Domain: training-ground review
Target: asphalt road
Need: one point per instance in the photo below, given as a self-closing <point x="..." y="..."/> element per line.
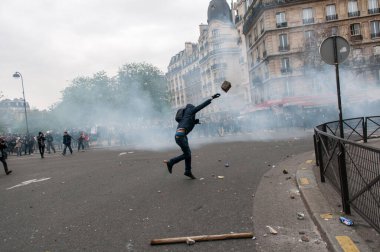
<point x="99" y="200"/>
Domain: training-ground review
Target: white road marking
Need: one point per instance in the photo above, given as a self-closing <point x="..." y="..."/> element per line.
<point x="28" y="182"/>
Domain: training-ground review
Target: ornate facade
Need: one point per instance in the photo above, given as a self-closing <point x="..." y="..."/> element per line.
<point x="283" y="39"/>
<point x="197" y="73"/>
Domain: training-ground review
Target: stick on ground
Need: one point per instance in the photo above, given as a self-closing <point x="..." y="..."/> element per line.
<point x="201" y="238"/>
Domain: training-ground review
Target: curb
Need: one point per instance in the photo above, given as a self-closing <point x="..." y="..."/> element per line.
<point x="338" y="236"/>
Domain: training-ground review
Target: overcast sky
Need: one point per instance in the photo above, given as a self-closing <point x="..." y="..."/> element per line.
<point x="50" y="42"/>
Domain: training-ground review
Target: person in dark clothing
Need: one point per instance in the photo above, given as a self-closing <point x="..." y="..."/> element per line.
<point x="50" y="140"/>
<point x="41" y="143"/>
<point x="66" y="143"/>
<point x="81" y="141"/>
<point x="185" y="126"/>
<point x="3" y="156"/>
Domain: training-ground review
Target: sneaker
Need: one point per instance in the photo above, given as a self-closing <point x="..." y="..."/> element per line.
<point x="9" y="172"/>
<point x="190" y="175"/>
<point x="169" y="165"/>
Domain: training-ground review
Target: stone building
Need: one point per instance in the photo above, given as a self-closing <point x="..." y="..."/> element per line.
<point x="12" y="111"/>
<point x="197" y="72"/>
<point x="283" y="39"/>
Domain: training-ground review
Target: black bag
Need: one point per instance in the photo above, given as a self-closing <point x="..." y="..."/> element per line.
<point x="179" y="115"/>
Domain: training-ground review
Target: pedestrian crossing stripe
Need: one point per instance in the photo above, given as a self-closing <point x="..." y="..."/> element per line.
<point x="304" y="181"/>
<point x="309" y="161"/>
<point x="347" y="244"/>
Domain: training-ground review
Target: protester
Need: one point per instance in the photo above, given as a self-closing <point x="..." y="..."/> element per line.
<point x="18" y="146"/>
<point x="186" y="123"/>
<point x="50" y="142"/>
<point x="41" y="143"/>
<point x="3" y="155"/>
<point x="66" y="143"/>
<point x="81" y="141"/>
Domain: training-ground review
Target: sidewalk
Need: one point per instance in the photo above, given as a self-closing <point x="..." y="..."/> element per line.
<point x="291" y="187"/>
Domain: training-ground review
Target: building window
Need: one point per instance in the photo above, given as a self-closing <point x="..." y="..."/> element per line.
<point x="355" y="29"/>
<point x="309" y="39"/>
<point x="285" y="65"/>
<point x="248" y="3"/>
<point x="376" y="50"/>
<point x="373" y="7"/>
<point x="284" y="46"/>
<point x="262" y="25"/>
<point x="375" y="29"/>
<point x="250" y="40"/>
<point x="307" y="16"/>
<point x="353" y="10"/>
<point x="281" y="20"/>
<point x="264" y="49"/>
<point x="255" y="33"/>
<point x="331" y="12"/>
<point x="215" y="33"/>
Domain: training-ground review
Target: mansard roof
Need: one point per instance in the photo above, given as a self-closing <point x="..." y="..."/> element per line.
<point x="219" y="10"/>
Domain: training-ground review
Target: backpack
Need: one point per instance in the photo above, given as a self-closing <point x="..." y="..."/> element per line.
<point x="179" y="114"/>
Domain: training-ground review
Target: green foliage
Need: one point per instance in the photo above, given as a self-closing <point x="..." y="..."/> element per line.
<point x="138" y="90"/>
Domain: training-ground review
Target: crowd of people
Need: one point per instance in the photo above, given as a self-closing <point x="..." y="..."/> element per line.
<point x="29" y="144"/>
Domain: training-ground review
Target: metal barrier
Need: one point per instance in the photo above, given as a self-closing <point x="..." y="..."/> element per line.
<point x="352" y="167"/>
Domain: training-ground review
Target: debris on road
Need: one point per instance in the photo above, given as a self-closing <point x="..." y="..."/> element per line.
<point x="285" y="171"/>
<point x="304" y="238"/>
<point x="220" y="177"/>
<point x="190" y="241"/>
<point x="227" y="165"/>
<point x="123" y="153"/>
<point x="201" y="238"/>
<point x="300" y="216"/>
<point x="288" y="178"/>
<point x="272" y="230"/>
<point x="201" y="178"/>
<point x="346" y="221"/>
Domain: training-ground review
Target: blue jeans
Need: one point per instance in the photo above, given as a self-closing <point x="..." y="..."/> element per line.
<point x="184" y="144"/>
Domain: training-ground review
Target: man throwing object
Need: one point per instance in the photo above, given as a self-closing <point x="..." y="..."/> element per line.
<point x="186" y="122"/>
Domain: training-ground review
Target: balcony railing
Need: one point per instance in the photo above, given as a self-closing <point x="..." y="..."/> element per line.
<point x="308" y="21"/>
<point x="218" y="66"/>
<point x="355" y="38"/>
<point x="332" y="17"/>
<point x="282" y="25"/>
<point x="375" y="35"/>
<point x="374" y="11"/>
<point x="354" y="14"/>
<point x="283" y="48"/>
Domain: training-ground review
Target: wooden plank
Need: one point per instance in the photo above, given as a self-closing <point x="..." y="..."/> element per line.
<point x="201" y="238"/>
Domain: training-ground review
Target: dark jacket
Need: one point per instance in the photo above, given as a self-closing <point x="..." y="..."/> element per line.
<point x="188" y="120"/>
<point x="3" y="148"/>
<point x="41" y="140"/>
<point x="67" y="139"/>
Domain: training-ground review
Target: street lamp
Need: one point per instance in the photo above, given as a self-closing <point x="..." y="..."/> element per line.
<point x="18" y="75"/>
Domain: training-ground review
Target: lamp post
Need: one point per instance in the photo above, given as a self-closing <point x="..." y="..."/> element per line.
<point x="18" y="75"/>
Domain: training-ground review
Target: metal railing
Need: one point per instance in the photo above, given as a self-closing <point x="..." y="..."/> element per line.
<point x="352" y="167"/>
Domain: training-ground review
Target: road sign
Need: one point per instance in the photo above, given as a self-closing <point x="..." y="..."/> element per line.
<point x="327" y="50"/>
